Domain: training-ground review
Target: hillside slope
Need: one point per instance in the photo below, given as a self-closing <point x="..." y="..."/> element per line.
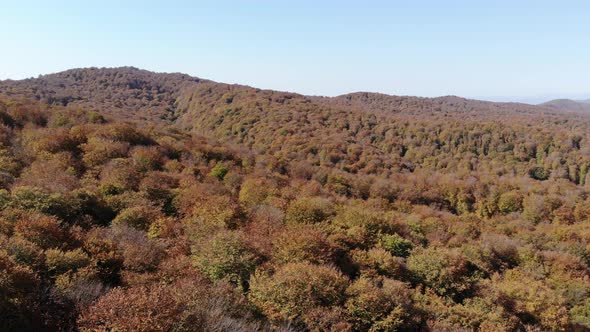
<point x="141" y="94"/>
<point x="125" y="92"/>
<point x="359" y="132"/>
<point x="568" y="105"/>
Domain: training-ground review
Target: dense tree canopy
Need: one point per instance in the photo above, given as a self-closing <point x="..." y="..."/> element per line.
<point x="132" y="201"/>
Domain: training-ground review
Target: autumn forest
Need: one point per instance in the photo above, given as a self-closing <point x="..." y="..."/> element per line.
<point x="141" y="201"/>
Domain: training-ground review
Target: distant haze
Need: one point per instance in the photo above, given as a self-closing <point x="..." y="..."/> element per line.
<point x="474" y="49"/>
<point x="535" y="100"/>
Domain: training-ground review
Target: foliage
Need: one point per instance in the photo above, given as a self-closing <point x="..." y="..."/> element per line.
<point x="396" y="245"/>
<point x="225" y="256"/>
<point x="132" y="200"/>
<point x="309" y="210"/>
<point x="219" y="171"/>
<point x="295" y="289"/>
<point x="139" y="217"/>
<point x="446" y="271"/>
<point x="378" y="305"/>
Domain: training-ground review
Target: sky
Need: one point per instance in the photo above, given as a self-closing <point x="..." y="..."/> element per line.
<point x="496" y="50"/>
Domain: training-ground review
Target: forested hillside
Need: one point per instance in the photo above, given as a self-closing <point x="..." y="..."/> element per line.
<point x="568" y="104"/>
<point x="136" y="201"/>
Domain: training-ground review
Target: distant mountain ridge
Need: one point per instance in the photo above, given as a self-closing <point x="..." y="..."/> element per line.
<point x="134" y="94"/>
<point x="568" y="105"/>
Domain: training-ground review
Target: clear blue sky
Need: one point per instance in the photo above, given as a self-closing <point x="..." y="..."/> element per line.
<point x="485" y="49"/>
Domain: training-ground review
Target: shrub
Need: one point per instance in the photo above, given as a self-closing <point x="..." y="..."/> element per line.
<point x="122" y="132"/>
<point x="216" y="211"/>
<point x="43" y="141"/>
<point x="120" y="174"/>
<point x="51" y="175"/>
<point x="4" y="201"/>
<point x="582" y="211"/>
<point x="265" y="224"/>
<point x="65" y="206"/>
<point x="105" y="256"/>
<point x="329" y="319"/>
<point x="31" y="198"/>
<point x="359" y="217"/>
<point x="157" y="187"/>
<point x="5" y="118"/>
<point x="473" y="314"/>
<point x="200" y="306"/>
<point x="99" y="151"/>
<point x="6" y="135"/>
<point x="8" y="163"/>
<point x="18" y="284"/>
<point x="581" y="314"/>
<point x="538" y="208"/>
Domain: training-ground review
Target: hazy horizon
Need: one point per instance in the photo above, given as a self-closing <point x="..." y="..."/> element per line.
<point x="525" y="52"/>
<point x="533" y="100"/>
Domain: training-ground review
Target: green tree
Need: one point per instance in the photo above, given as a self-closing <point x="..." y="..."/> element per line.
<point x="225" y="256"/>
<point x="219" y="171"/>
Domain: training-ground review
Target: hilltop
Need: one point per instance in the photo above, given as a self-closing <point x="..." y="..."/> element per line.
<point x="568" y="105"/>
<point x="151" y="96"/>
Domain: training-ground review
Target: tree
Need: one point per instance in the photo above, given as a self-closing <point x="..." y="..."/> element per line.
<point x="18" y="286"/>
<point x="309" y="210"/>
<point x="510" y="202"/>
<point x="140" y="217"/>
<point x="136" y="309"/>
<point x="295" y="289"/>
<point x="225" y="256"/>
<point x="396" y="245"/>
<point x="533" y="300"/>
<point x="446" y="271"/>
<point x="44" y="231"/>
<point x="59" y="262"/>
<point x="219" y="171"/>
<point x="378" y="304"/>
<point x="378" y="262"/>
<point x="298" y="243"/>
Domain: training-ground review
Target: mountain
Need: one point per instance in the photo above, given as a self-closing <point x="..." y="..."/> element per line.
<point x="568" y="105"/>
<point x="281" y="124"/>
<point x="137" y="93"/>
<point x="142" y="95"/>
